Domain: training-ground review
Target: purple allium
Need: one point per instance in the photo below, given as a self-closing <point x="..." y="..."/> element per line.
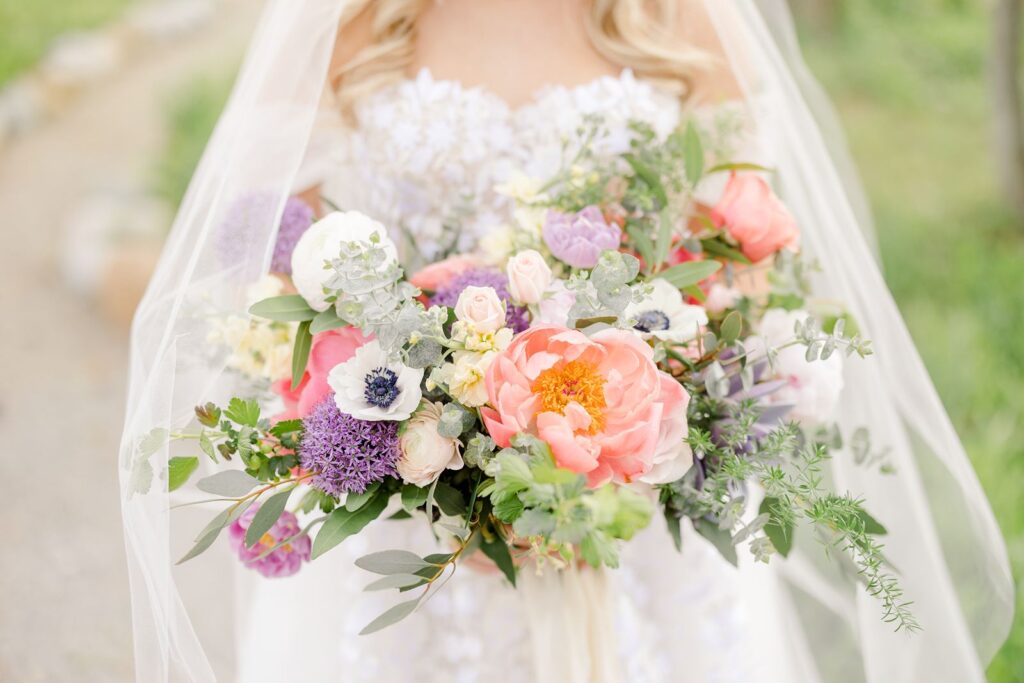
<point x="295" y="220"/>
<point x="283" y="561"/>
<point x="580" y="238"/>
<point x="249" y="218"/>
<point x="516" y="317"/>
<point x="346" y="453"/>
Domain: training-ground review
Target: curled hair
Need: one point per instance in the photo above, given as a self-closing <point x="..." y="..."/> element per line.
<point x="630" y="33"/>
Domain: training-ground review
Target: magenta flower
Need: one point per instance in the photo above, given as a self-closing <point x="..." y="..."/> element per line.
<point x="579" y="239"/>
<point x="283" y="561"/>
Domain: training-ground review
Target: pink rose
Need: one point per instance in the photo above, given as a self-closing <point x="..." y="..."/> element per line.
<point x="528" y="277"/>
<point x="329" y="349"/>
<point x="599" y="402"/>
<point x="481" y="308"/>
<point x="755" y="217"/>
<point x="437" y="275"/>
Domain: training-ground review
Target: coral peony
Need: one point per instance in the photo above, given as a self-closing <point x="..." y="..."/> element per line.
<point x="599" y="402"/>
<point x="329" y="349"/>
<point x="755" y="217"/>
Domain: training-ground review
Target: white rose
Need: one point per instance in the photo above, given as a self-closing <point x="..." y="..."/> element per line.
<point x="322" y="243"/>
<point x="481" y="308"/>
<point x="528" y="276"/>
<point x="425" y="453"/>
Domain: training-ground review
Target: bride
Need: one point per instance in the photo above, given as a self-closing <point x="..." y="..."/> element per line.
<point x="412" y="111"/>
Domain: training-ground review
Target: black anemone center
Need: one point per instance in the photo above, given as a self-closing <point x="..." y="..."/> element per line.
<point x="652" y="321"/>
<point x="381" y="387"/>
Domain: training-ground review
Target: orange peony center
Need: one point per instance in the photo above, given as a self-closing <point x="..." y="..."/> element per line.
<point x="576" y="381"/>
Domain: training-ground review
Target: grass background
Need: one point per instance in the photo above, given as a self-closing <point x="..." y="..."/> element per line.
<point x="908" y="81"/>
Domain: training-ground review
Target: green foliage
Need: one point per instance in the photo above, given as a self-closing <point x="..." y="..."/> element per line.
<point x="343" y="523"/>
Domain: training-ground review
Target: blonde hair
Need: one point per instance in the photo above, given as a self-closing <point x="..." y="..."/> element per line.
<point x="630" y="33"/>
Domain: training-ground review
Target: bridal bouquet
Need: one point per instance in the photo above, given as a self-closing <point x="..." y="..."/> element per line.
<point x="540" y="401"/>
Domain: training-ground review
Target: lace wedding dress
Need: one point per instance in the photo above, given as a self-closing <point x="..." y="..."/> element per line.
<point x="422" y="156"/>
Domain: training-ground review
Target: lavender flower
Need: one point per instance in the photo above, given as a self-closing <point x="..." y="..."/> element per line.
<point x="285" y="560"/>
<point x="245" y="221"/>
<point x="347" y="454"/>
<point x="295" y="220"/>
<point x="579" y="239"/>
<point x="516" y="317"/>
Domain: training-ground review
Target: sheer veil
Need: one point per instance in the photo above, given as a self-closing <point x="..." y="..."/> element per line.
<point x="808" y="618"/>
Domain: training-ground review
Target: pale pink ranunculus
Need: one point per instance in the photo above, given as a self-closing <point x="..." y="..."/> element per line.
<point x="528" y="276"/>
<point x="437" y="275"/>
<point x="329" y="348"/>
<point x="755" y="217"/>
<point x="555" y="305"/>
<point x="599" y="402"/>
<point x="481" y="308"/>
<point x="673" y="455"/>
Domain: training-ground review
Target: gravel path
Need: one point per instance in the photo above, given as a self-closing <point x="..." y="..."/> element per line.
<point x="64" y="608"/>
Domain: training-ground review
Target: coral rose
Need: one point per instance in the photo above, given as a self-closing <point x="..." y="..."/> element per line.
<point x="755" y="217"/>
<point x="329" y="349"/>
<point x="599" y="402"/>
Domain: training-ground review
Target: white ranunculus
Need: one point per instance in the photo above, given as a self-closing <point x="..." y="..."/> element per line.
<point x="664" y="315"/>
<point x="528" y="276"/>
<point x="322" y="243"/>
<point x="368" y="387"/>
<point x="813" y="388"/>
<point x="481" y="309"/>
<point x="425" y="453"/>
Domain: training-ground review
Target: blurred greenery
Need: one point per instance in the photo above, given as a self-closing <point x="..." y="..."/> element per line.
<point x="38" y="22"/>
<point x="908" y="80"/>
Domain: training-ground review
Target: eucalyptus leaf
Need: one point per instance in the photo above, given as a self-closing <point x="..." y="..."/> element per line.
<point x="207" y="446"/>
<point x="498" y="551"/>
<point x="391" y="616"/>
<point x="741" y="166"/>
<point x="229" y="483"/>
<point x="392" y="562"/>
<point x="341" y="524"/>
<point x="395" y="581"/>
<point x="286" y="308"/>
<point x="413" y="496"/>
<point x="179" y="470"/>
<point x="716" y="248"/>
<point x="731" y="328"/>
<point x="266" y="516"/>
<point x="354" y="501"/>
<point x="449" y="499"/>
<point x="693" y="154"/>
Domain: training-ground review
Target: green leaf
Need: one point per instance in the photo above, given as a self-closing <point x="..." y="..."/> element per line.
<point x="392" y="562"/>
<point x="300" y="354"/>
<point x="207" y="446"/>
<point x="266" y="516"/>
<point x="395" y="581"/>
<point x="354" y="501"/>
<point x="641" y="242"/>
<point x="674" y="530"/>
<point x="716" y="248"/>
<point x="780" y="534"/>
<point x="286" y="308"/>
<point x="689" y="273"/>
<point x="664" y="238"/>
<point x="152" y="442"/>
<point x="693" y="154"/>
<point x="230" y="483"/>
<point x="742" y="166"/>
<point x="720" y="538"/>
<point x="449" y="499"/>
<point x="391" y="616"/>
<point x="439" y="559"/>
<point x="413" y="496"/>
<point x="498" y="551"/>
<point x="212" y="530"/>
<point x="509" y="509"/>
<point x="872" y="525"/>
<point x="341" y="524"/>
<point x="244" y="412"/>
<point x="327" y="320"/>
<point x="731" y="328"/>
<point x="179" y="470"/>
<point x="285" y="427"/>
<point x="696" y="292"/>
<point x="649" y="177"/>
